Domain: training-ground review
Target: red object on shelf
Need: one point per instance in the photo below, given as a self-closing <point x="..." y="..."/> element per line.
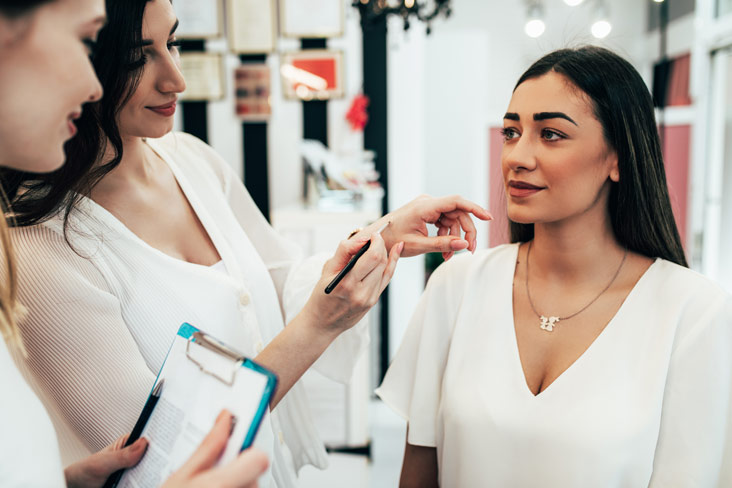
<point x="357" y="114"/>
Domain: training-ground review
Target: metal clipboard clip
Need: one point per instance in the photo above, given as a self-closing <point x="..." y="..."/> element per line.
<point x="212" y="344"/>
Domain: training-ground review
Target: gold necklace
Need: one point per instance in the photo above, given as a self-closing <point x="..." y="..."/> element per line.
<point x="548" y="323"/>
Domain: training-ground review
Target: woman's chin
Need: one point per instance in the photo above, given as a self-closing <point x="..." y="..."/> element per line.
<point x="158" y="132"/>
<point x="49" y="162"/>
<point x="520" y="218"/>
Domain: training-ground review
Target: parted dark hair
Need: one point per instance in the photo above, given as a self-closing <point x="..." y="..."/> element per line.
<point x="639" y="204"/>
<point x="116" y="59"/>
<point x="16" y="8"/>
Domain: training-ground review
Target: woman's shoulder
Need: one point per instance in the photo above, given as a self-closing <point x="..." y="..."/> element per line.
<point x="688" y="299"/>
<point x="685" y="284"/>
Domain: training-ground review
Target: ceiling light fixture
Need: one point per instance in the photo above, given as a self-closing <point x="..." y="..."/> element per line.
<point x="602" y="26"/>
<point x="535" y="26"/>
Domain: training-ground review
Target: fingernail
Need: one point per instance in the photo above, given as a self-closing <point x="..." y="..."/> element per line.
<point x="400" y="248"/>
<point x="459" y="244"/>
<point x="139" y="444"/>
<point x="233" y="424"/>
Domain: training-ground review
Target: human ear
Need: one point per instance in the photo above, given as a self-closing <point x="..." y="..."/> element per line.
<point x="614" y="170"/>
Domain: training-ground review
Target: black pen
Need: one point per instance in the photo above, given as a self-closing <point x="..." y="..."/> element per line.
<point x="147" y="410"/>
<point x="351" y="262"/>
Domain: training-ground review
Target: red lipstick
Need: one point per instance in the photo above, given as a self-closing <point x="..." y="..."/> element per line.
<point x="165" y="110"/>
<point x="522" y="189"/>
<point x="70" y="123"/>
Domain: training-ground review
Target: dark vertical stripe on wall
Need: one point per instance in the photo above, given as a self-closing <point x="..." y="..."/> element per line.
<point x="375" y="139"/>
<point x="195" y="118"/>
<point x="315" y="120"/>
<point x="256" y="162"/>
<point x="315" y="112"/>
<point x="256" y="174"/>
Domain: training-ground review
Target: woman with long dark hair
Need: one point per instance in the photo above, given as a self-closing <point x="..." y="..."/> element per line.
<point x="45" y="79"/>
<point x="144" y="229"/>
<point x="586" y="353"/>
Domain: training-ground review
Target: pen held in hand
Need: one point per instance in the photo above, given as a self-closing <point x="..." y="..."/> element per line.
<point x="147" y="410"/>
<point x="352" y="262"/>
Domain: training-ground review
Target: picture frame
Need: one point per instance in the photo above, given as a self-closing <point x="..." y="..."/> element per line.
<point x="308" y="19"/>
<point x="312" y="74"/>
<point x="203" y="73"/>
<point x="199" y="19"/>
<point x="252" y="89"/>
<point x="251" y="26"/>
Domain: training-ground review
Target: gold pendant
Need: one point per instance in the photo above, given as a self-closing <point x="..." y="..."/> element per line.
<point x="548" y="323"/>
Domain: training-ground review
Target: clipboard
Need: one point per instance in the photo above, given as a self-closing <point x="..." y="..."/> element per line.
<point x="199" y="377"/>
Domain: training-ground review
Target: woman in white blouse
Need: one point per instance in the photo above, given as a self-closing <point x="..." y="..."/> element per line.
<point x="143" y="229"/>
<point x="586" y="353"/>
<point x="45" y="78"/>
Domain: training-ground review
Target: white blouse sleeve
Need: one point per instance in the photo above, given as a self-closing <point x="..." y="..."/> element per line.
<point x="695" y="440"/>
<point x="293" y="275"/>
<point x="413" y="384"/>
<point x="77" y="340"/>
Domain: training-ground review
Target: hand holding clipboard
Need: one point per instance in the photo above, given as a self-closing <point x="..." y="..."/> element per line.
<point x="200" y="377"/>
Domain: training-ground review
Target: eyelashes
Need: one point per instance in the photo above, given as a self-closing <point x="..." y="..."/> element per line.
<point x="91" y="46"/>
<point x="171" y="45"/>
<point x="550" y="135"/>
<point x="508" y="133"/>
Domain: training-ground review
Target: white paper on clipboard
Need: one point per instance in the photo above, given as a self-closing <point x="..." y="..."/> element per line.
<point x="201" y="377"/>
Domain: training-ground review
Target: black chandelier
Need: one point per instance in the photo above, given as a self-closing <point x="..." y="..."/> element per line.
<point x="423" y="10"/>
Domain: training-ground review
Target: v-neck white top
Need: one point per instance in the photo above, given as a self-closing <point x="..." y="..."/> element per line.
<point x="102" y="314"/>
<point x="649" y="403"/>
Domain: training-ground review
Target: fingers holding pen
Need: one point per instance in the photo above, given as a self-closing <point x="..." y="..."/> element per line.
<point x="376" y="280"/>
<point x="373" y="259"/>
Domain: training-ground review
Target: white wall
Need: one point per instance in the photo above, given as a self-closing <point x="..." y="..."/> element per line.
<point x="406" y="120"/>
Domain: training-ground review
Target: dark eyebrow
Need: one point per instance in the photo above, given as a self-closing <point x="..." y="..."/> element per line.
<point x="148" y="42"/>
<point x="553" y="115"/>
<point x="512" y="116"/>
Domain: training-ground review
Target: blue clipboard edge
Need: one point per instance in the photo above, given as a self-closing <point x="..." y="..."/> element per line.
<point x="185" y="331"/>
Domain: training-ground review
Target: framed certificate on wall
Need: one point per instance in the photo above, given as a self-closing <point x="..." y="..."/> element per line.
<point x="313" y="74"/>
<point x="199" y="19"/>
<point x="251" y="26"/>
<point x="204" y="75"/>
<point x="311" y="18"/>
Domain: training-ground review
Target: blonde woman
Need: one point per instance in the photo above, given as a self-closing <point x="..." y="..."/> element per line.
<point x="45" y="79"/>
